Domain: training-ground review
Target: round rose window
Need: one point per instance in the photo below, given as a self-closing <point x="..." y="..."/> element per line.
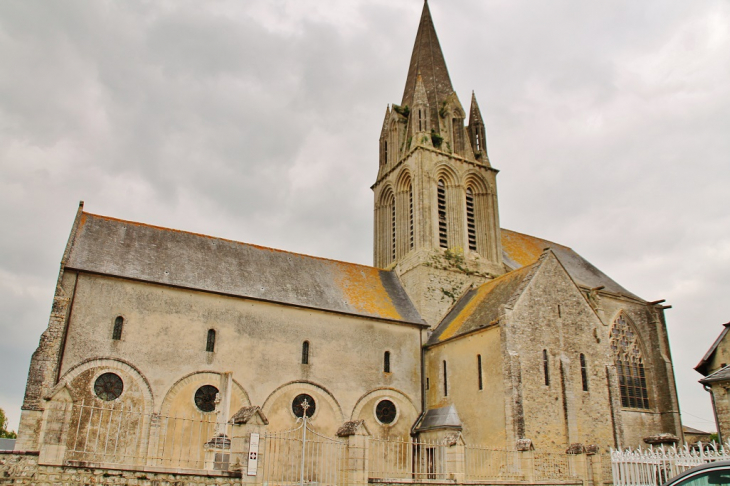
<point x="386" y="412"/>
<point x="302" y="402"/>
<point x="205" y="398"/>
<point x="108" y="387"/>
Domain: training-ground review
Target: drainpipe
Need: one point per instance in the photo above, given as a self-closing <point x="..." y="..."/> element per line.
<point x="714" y="412"/>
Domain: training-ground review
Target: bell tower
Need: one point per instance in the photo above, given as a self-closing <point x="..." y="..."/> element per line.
<point x="436" y="215"/>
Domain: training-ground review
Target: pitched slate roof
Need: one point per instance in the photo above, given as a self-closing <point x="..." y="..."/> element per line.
<point x="170" y="257"/>
<point x="479" y="307"/>
<point x="702" y="366"/>
<point x="723" y="374"/>
<point x="519" y="250"/>
<point x="439" y="418"/>
<point x="428" y="60"/>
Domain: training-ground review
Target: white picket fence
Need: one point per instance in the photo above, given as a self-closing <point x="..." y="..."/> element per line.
<point x="654" y="466"/>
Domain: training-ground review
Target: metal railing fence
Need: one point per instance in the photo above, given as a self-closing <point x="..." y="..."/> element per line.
<point x="654" y="466"/>
<point x="407" y="459"/>
<point x="117" y="434"/>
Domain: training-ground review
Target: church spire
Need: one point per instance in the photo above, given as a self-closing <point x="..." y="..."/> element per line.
<point x="428" y="61"/>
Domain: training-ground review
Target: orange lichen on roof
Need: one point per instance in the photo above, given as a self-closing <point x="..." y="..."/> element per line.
<point x="482" y="292"/>
<point x="524" y="249"/>
<point x="363" y="289"/>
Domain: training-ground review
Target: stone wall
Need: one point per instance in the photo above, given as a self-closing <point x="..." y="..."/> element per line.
<point x="23" y="468"/>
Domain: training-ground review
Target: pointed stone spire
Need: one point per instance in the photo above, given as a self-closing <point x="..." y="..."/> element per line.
<point x="477" y="133"/>
<point x="428" y="61"/>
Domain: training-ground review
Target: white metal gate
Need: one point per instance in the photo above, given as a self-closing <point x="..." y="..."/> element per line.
<point x="301" y="456"/>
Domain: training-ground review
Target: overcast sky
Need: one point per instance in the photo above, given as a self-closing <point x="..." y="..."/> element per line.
<point x="258" y="120"/>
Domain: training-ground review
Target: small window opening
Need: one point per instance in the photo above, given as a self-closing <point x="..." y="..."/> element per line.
<point x="118" y="326"/>
<point x="446" y="382"/>
<point x="410" y="213"/>
<point x="479" y="371"/>
<point x="386" y="362"/>
<point x="471" y="220"/>
<point x="420" y="120"/>
<point x="545" y="367"/>
<point x="210" y="343"/>
<point x="560" y="314"/>
<point x="385" y="151"/>
<point x="584" y="371"/>
<point x="478" y="142"/>
<point x="305" y="352"/>
<point x="443" y="231"/>
<point x="428" y="384"/>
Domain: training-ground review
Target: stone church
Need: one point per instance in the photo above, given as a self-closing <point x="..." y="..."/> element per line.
<point x="460" y="325"/>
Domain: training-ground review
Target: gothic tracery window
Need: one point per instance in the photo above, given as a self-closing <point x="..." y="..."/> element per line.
<point x="626" y="348"/>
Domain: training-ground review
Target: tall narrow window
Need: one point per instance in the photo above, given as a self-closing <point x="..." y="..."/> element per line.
<point x="305" y="352"/>
<point x="210" y="343"/>
<point x="478" y="142"/>
<point x="471" y="224"/>
<point x="629" y="359"/>
<point x="441" y="200"/>
<point x="446" y="382"/>
<point x="479" y="371"/>
<point x="386" y="362"/>
<point x="118" y="326"/>
<point x="584" y="371"/>
<point x="392" y="231"/>
<point x="410" y="214"/>
<point x="385" y="152"/>
<point x="545" y="367"/>
<point x="420" y="120"/>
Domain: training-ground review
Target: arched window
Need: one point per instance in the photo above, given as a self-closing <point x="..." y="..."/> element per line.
<point x="386" y="362"/>
<point x="210" y="343"/>
<point x="118" y="326"/>
<point x="420" y="120"/>
<point x="441" y="203"/>
<point x="584" y="371"/>
<point x="385" y="151"/>
<point x="471" y="224"/>
<point x="410" y="215"/>
<point x="626" y="348"/>
<point x="305" y="352"/>
<point x="392" y="232"/>
<point x="479" y="371"/>
<point x="546" y="367"/>
<point x="446" y="382"/>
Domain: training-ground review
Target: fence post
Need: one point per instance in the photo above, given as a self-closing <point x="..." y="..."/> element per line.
<point x="527" y="459"/>
<point x="247" y="421"/>
<point x="455" y="458"/>
<point x="356" y="452"/>
<point x="56" y="422"/>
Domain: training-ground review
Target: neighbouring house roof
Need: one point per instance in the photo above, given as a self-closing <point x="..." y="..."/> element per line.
<point x="692" y="431"/>
<point x="439" y="418"/>
<point x="519" y="250"/>
<point x="7" y="444"/>
<point x="479" y="307"/>
<point x="165" y="256"/>
<point x="723" y="374"/>
<point x="704" y="363"/>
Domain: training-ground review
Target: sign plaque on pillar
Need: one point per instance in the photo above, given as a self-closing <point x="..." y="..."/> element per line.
<point x="253" y="454"/>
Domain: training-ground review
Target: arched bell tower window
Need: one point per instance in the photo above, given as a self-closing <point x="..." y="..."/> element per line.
<point x="410" y="216"/>
<point x="471" y="224"/>
<point x="626" y="347"/>
<point x="441" y="203"/>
